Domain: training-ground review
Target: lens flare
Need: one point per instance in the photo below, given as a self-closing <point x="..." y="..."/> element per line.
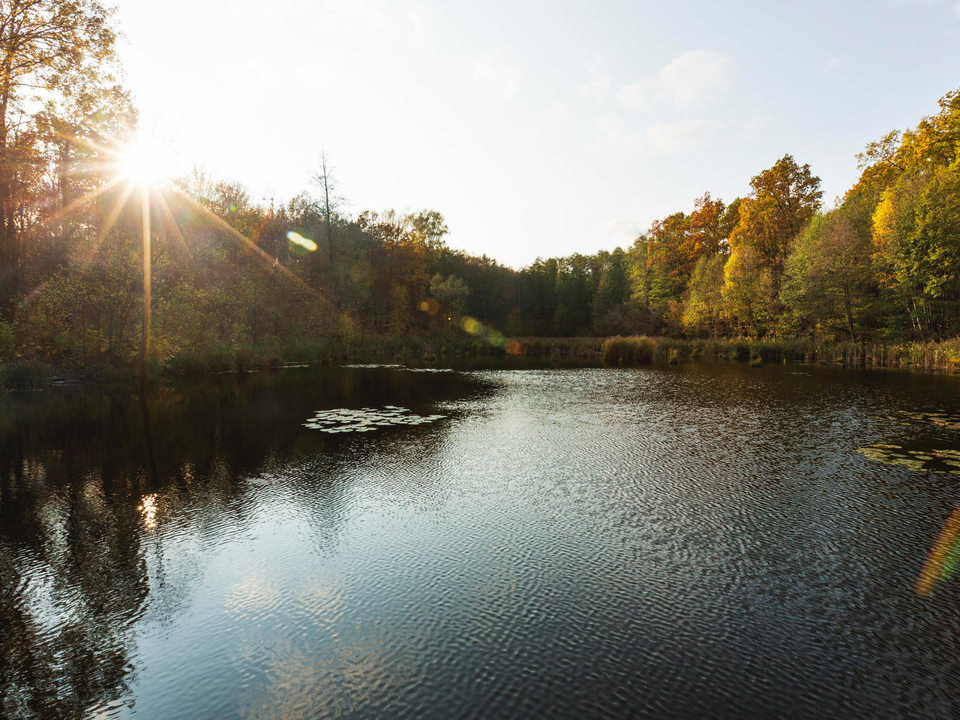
<point x="494" y="337"/>
<point x="942" y="560"/>
<point x="298" y="239"/>
<point x="429" y="306"/>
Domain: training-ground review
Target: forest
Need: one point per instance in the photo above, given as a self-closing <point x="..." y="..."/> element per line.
<point x="236" y="278"/>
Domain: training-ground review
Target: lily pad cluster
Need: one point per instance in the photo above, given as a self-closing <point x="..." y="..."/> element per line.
<point x="938" y="461"/>
<point x="343" y="420"/>
<point x="944" y="420"/>
<point x="371" y="366"/>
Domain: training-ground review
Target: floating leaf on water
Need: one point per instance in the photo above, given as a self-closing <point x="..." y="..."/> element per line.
<point x="365" y="419"/>
<point x="936" y="461"/>
<point x="939" y="418"/>
<point x="371" y="366"/>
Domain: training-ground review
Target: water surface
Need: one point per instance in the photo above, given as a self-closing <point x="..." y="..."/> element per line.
<point x="700" y="540"/>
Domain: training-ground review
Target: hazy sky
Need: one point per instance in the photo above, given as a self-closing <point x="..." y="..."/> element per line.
<point x="536" y="128"/>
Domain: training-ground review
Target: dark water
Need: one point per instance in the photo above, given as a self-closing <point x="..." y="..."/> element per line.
<point x="691" y="541"/>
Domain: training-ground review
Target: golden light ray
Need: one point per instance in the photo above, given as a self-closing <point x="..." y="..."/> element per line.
<point x="85" y="198"/>
<point x="171" y="222"/>
<point x="114" y="214"/>
<point x="236" y="234"/>
<point x="121" y="154"/>
<point x="93" y="194"/>
<point x="117" y="151"/>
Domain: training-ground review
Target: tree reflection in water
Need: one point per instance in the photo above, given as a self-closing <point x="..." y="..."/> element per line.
<point x="89" y="476"/>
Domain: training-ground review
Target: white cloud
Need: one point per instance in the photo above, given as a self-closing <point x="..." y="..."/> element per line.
<point x="638" y="96"/>
<point x="687" y="81"/>
<point x="609" y="124"/>
<point x="614" y="131"/>
<point x="368" y="13"/>
<point x="694" y="76"/>
<point x="600" y="80"/>
<point x="683" y="136"/>
<point x="622" y="231"/>
<point x="421" y="18"/>
<point x="752" y="128"/>
<point x="555" y="116"/>
<point x="492" y="69"/>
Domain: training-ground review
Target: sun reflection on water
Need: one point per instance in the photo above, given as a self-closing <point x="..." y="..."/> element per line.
<point x="148" y="509"/>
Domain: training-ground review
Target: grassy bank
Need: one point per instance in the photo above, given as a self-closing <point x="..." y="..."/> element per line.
<point x="942" y="356"/>
<point x="27" y="374"/>
<point x="638" y="350"/>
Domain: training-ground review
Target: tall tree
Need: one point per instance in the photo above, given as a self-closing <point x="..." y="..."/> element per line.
<point x="707" y="232"/>
<point x="917" y="233"/>
<point x="703" y="308"/>
<point x="330" y="203"/>
<point x="783" y="198"/>
<point x="41" y="41"/>
<point x="829" y="276"/>
<point x="667" y="262"/>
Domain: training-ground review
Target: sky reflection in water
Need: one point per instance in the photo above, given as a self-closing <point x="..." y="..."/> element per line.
<point x="701" y="540"/>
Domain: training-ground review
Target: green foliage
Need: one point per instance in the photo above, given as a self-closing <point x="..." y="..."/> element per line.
<point x="24" y="375"/>
<point x="829" y="282"/>
<point x="917" y="233"/>
<point x="7" y="342"/>
<point x="703" y="310"/>
<point x="186" y="364"/>
<point x="748" y="292"/>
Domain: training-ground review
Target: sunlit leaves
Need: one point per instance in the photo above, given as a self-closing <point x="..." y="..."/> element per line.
<point x="782" y="199"/>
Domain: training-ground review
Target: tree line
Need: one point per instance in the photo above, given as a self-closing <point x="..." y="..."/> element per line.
<point x="230" y="272"/>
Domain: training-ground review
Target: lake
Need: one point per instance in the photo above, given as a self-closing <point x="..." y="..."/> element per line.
<point x="671" y="541"/>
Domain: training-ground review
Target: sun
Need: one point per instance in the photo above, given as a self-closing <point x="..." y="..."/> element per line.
<point x="145" y="163"/>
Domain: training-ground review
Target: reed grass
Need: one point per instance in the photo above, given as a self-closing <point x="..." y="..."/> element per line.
<point x="25" y="373"/>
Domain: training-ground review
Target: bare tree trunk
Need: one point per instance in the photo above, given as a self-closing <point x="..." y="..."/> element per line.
<point x="9" y="262"/>
<point x="326" y="184"/>
<point x="846" y="301"/>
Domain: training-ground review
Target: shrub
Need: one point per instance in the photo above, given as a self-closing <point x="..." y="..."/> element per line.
<point x="629" y="351"/>
<point x="270" y="363"/>
<point x="7" y="344"/>
<point x="25" y="375"/>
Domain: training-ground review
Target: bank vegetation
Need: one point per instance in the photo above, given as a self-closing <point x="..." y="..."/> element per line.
<point x="242" y="284"/>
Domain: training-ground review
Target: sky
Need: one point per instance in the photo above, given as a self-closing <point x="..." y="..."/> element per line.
<point x="538" y="129"/>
